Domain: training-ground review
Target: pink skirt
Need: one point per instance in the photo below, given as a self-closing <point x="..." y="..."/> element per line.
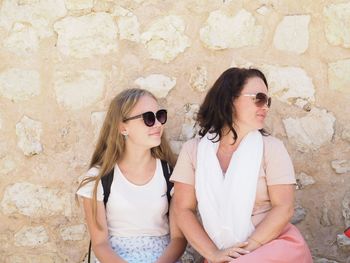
<point x="289" y="247"/>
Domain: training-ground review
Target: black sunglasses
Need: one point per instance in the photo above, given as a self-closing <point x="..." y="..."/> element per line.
<point x="149" y="117"/>
<point x="260" y="99"/>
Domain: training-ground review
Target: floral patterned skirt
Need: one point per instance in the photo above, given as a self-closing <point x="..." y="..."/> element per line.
<point x="140" y="249"/>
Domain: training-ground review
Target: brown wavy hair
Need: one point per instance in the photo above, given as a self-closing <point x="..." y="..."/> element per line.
<point x="217" y="110"/>
<point x="111" y="144"/>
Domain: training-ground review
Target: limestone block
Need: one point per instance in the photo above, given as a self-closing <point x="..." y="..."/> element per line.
<point x="188" y="130"/>
<point x="343" y="241"/>
<point x="199" y="79"/>
<point x="263" y="10"/>
<point x="86" y="36"/>
<point x="176" y="146"/>
<point x="128" y="24"/>
<point x="73" y="233"/>
<point x="292" y="34"/>
<point x="299" y="215"/>
<point x="346" y="135"/>
<point x="158" y="84"/>
<point x="324" y="260"/>
<point x="339" y="75"/>
<point x="79" y="4"/>
<point x="289" y="84"/>
<point x="38" y="14"/>
<point x="22" y="40"/>
<point x="28" y="133"/>
<point x="341" y="166"/>
<point x="304" y="180"/>
<point x="222" y="31"/>
<point x="41" y="258"/>
<point x="312" y="131"/>
<point x="325" y="218"/>
<point x="35" y="201"/>
<point x="346" y="208"/>
<point x="97" y="119"/>
<point x="31" y="236"/>
<point x="18" y="84"/>
<point x="337" y="24"/>
<point x="165" y="38"/>
<point x="79" y="89"/>
<point x="7" y="165"/>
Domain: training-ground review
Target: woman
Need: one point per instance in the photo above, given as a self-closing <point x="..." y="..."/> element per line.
<point x="241" y="179"/>
<point x="133" y="226"/>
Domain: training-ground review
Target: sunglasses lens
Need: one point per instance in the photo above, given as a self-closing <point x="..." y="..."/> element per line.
<point x="149" y="118"/>
<point x="261" y="99"/>
<point x="161" y="116"/>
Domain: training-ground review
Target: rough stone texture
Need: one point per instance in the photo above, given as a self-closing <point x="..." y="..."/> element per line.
<point x="343" y="241"/>
<point x="31" y="236"/>
<point x="188" y="130"/>
<point x="312" y="131"/>
<point x="292" y="34"/>
<point x="223" y="31"/>
<point x="28" y="134"/>
<point x="299" y="215"/>
<point x="7" y="165"/>
<point x="158" y="84"/>
<point x="128" y="24"/>
<point x="176" y="146"/>
<point x="325" y="218"/>
<point x="23" y="40"/>
<point x="97" y="119"/>
<point x="337" y="20"/>
<point x="290" y="84"/>
<point x="76" y="90"/>
<point x="35" y="201"/>
<point x="42" y="258"/>
<point x="86" y="36"/>
<point x="165" y="38"/>
<point x="346" y="135"/>
<point x="19" y="84"/>
<point x="346" y="208"/>
<point x="38" y="14"/>
<point x="324" y="260"/>
<point x="73" y="233"/>
<point x="341" y="166"/>
<point x="339" y="75"/>
<point x="79" y="4"/>
<point x="304" y="180"/>
<point x="199" y="79"/>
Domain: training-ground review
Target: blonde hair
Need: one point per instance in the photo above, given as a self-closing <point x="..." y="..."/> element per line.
<point x="111" y="144"/>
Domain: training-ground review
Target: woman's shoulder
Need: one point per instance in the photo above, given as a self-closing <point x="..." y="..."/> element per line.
<point x="191" y="144"/>
<point x="272" y="142"/>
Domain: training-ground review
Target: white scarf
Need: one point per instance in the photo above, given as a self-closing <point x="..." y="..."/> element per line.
<point x="225" y="203"/>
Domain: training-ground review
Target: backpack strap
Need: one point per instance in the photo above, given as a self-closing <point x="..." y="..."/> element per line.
<point x="106" y="184"/>
<point x="167" y="171"/>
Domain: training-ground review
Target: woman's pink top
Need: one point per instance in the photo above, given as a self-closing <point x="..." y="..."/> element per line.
<point x="276" y="168"/>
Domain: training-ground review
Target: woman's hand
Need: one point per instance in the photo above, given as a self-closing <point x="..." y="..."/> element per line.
<point x="226" y="255"/>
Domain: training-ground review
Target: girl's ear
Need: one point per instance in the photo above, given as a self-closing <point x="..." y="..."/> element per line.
<point x="123" y="129"/>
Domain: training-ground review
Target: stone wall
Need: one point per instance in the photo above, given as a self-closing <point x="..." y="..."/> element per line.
<point x="61" y="62"/>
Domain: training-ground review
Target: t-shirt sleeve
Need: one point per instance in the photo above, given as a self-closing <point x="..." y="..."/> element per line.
<point x="184" y="170"/>
<point x="278" y="164"/>
<point x="87" y="190"/>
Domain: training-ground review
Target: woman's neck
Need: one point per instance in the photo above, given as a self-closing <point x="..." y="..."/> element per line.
<point x="136" y="155"/>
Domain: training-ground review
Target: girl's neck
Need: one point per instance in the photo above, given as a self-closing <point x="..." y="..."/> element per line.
<point x="136" y="155"/>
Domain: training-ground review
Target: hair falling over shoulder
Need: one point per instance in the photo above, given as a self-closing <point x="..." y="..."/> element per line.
<point x="110" y="145"/>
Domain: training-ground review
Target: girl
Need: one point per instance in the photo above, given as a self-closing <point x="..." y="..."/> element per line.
<point x="133" y="226"/>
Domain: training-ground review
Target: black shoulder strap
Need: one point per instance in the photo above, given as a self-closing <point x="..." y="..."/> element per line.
<point x="106" y="184"/>
<point x="167" y="170"/>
